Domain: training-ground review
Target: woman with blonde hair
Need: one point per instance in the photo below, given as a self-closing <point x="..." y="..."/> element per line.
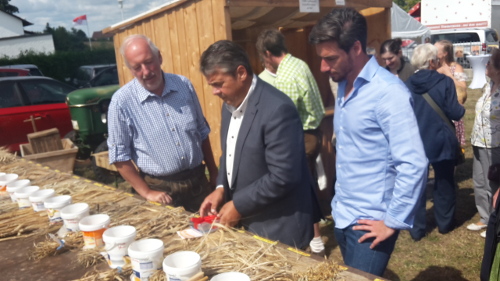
<point x="455" y="71"/>
<point x="435" y="105"/>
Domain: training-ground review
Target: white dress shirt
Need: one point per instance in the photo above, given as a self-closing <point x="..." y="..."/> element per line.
<point x="237" y="115"/>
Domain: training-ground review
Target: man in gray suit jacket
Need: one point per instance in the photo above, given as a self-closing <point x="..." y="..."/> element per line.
<point x="263" y="181"/>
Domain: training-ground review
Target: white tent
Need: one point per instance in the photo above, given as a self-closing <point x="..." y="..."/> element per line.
<point x="405" y="26"/>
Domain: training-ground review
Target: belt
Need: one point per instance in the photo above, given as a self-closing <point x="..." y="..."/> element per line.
<point x="182" y="175"/>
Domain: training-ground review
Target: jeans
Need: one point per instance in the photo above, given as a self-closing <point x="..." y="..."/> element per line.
<point x="359" y="255"/>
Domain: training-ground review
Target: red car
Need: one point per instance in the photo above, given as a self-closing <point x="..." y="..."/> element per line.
<point x="9" y="72"/>
<point x="29" y="104"/>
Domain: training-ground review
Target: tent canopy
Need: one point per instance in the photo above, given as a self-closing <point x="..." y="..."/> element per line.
<point x="405" y="26"/>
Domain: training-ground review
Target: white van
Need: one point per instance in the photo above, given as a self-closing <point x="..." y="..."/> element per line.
<point x="468" y="42"/>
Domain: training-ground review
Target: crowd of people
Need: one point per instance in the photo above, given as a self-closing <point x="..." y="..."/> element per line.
<point x="390" y="123"/>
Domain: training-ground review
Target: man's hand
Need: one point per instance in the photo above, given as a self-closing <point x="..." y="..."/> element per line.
<point x="212" y="202"/>
<point x="228" y="215"/>
<point x="376" y="229"/>
<point x="158" y="196"/>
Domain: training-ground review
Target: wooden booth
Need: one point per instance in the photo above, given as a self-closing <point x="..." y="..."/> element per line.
<point x="184" y="29"/>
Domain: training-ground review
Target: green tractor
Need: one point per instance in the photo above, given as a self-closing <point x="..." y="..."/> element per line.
<point x="89" y="111"/>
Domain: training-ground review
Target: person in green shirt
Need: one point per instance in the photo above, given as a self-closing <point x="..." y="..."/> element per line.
<point x="294" y="78"/>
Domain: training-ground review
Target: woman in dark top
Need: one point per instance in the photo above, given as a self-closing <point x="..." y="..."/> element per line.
<point x="438" y="136"/>
<point x="391" y="54"/>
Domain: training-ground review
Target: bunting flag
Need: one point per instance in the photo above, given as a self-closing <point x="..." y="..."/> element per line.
<point x="80" y="20"/>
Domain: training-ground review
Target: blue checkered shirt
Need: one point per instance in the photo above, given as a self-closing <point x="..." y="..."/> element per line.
<point x="162" y="135"/>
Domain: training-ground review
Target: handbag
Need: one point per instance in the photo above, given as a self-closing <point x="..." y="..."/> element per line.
<point x="460" y="153"/>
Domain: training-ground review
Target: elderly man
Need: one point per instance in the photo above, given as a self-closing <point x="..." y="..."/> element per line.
<point x="156" y="121"/>
<point x="381" y="164"/>
<point x="263" y="181"/>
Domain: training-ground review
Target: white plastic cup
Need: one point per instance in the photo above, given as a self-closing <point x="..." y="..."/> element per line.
<point x="5" y="179"/>
<point x="38" y="197"/>
<point x="117" y="240"/>
<point x="53" y="205"/>
<point x="72" y="214"/>
<point x="23" y="194"/>
<point x="180" y="266"/>
<point x="14" y="186"/>
<point x="231" y="276"/>
<point x="93" y="227"/>
<point x="146" y="256"/>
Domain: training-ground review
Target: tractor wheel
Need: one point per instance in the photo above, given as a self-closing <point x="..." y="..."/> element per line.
<point x="101" y="174"/>
<point x="83" y="151"/>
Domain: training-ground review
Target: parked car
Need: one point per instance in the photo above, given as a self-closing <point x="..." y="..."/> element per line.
<point x="107" y="76"/>
<point x="29" y="104"/>
<point x="468" y="42"/>
<point x="85" y="73"/>
<point x="9" y="72"/>
<point x="33" y="69"/>
<point x="89" y="116"/>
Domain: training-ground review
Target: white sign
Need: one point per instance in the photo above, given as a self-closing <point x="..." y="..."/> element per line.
<point x="340" y="2"/>
<point x="309" y="6"/>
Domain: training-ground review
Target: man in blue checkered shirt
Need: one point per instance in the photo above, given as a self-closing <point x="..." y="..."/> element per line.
<point x="156" y="123"/>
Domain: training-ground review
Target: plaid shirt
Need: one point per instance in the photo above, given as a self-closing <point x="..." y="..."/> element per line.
<point x="294" y="78"/>
<point x="163" y="135"/>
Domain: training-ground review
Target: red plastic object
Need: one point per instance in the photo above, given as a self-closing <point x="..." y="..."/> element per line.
<point x="203" y="224"/>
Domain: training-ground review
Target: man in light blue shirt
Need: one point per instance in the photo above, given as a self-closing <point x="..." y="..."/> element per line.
<point x="156" y="121"/>
<point x="381" y="164"/>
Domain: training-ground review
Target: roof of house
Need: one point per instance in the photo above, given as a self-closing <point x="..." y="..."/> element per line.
<point x="25" y="22"/>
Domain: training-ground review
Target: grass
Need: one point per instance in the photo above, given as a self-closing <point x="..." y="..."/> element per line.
<point x="454" y="256"/>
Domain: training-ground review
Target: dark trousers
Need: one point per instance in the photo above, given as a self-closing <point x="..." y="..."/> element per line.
<point x="490" y="245"/>
<point x="444" y="195"/>
<point x="187" y="188"/>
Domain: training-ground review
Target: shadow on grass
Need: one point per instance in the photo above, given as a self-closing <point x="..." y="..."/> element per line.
<point x="442" y="273"/>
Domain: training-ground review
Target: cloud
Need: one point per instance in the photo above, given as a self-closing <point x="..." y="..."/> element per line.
<point x="100" y="13"/>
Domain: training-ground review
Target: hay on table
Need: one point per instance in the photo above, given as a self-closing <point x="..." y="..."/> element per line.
<point x="224" y="250"/>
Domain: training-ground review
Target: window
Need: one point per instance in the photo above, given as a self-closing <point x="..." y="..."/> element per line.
<point x="491" y="36"/>
<point x="45" y="91"/>
<point x="9" y="96"/>
<point x="105" y="77"/>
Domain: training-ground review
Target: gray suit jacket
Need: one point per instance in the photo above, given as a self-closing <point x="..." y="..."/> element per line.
<point x="271" y="185"/>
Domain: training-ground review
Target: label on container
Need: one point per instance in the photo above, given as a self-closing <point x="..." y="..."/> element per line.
<point x="38" y="206"/>
<point x="93" y="239"/>
<point x="72" y="224"/>
<point x="143" y="269"/>
<point x="23" y="203"/>
<point x="3" y="188"/>
<point x="54" y="215"/>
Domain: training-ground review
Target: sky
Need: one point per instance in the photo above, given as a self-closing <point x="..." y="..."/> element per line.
<point x="100" y="13"/>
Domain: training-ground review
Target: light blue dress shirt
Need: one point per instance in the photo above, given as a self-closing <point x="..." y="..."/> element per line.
<point x="381" y="163"/>
<point x="162" y="135"/>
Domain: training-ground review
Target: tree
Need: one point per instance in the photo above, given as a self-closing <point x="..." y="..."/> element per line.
<point x="406" y="4"/>
<point x="65" y="40"/>
<point x="8" y="8"/>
